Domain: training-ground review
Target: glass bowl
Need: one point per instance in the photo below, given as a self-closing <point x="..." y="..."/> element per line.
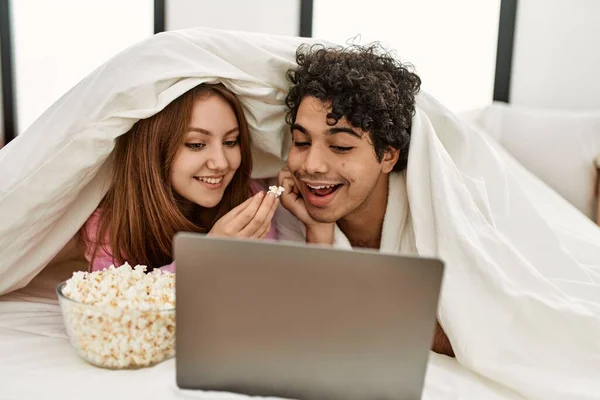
<point x="118" y="338"/>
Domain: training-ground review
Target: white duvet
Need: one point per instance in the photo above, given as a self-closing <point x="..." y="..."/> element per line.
<point x="521" y="295"/>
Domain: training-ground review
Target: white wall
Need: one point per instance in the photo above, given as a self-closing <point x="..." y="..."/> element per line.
<point x="556" y="57"/>
<point x="452" y="44"/>
<point x="57" y="43"/>
<point x="280" y="17"/>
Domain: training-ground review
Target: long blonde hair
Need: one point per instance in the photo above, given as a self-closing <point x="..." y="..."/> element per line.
<point x="141" y="213"/>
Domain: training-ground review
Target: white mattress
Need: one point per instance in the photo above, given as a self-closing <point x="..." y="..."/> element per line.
<point x="39" y="363"/>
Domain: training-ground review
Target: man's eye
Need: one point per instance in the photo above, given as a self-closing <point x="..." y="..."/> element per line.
<point x="301" y="144"/>
<point x="341" y="149"/>
<point x="195" y="146"/>
<point x="231" y="143"/>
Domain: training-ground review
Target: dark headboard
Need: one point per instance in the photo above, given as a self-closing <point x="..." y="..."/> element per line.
<point x="504" y="52"/>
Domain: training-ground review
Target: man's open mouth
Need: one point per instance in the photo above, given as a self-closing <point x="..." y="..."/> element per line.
<point x="323" y="190"/>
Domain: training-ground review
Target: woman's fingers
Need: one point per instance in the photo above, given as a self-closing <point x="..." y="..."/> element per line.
<point x="243" y="217"/>
<point x="254" y="225"/>
<point x="237" y="210"/>
<point x="264" y="228"/>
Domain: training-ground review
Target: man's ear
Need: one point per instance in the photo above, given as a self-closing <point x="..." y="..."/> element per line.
<point x="390" y="158"/>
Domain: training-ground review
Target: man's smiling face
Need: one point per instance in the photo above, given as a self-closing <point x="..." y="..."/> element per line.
<point x="335" y="167"/>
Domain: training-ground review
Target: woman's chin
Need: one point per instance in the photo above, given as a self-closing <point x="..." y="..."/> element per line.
<point x="208" y="204"/>
<point x="204" y="200"/>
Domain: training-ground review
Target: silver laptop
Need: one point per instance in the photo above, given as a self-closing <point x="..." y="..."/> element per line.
<point x="302" y="322"/>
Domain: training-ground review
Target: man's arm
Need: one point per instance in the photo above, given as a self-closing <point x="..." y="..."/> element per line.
<point x="597" y="162"/>
<point x="441" y="343"/>
<point x="320" y="234"/>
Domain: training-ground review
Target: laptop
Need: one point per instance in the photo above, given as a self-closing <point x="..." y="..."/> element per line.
<point x="304" y="322"/>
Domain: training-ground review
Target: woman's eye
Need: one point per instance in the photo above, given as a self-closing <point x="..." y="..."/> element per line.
<point x="232" y="143"/>
<point x="341" y="149"/>
<point x="195" y="146"/>
<point x="301" y="144"/>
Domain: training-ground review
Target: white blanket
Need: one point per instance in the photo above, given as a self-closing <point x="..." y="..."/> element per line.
<point x="519" y="307"/>
<point x="516" y="304"/>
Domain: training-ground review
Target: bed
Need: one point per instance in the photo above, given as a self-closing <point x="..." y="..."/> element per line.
<point x="542" y="273"/>
<point x="38" y="361"/>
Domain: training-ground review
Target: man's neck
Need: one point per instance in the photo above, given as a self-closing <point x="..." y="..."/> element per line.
<point x="363" y="227"/>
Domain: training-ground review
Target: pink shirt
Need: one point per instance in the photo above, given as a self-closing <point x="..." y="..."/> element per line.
<point x="104" y="258"/>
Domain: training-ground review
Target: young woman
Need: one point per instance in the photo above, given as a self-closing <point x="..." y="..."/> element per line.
<point x="186" y="168"/>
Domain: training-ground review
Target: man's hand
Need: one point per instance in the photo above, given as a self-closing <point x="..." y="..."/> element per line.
<point x="251" y="219"/>
<point x="441" y="343"/>
<point x="291" y="198"/>
<point x="316" y="232"/>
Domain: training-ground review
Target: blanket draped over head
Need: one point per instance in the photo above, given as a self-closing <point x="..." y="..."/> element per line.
<point x="520" y="300"/>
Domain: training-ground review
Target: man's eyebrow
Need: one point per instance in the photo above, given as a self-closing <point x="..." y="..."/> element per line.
<point x="298" y="127"/>
<point x="330" y="131"/>
<point x="333" y="131"/>
<point x="204" y="131"/>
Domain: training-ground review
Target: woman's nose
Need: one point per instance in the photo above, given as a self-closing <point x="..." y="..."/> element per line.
<point x="217" y="160"/>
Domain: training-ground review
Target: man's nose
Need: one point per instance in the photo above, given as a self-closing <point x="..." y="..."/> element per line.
<point x="315" y="162"/>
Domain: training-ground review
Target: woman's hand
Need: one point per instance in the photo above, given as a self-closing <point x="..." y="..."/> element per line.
<point x="251" y="219"/>
<point x="316" y="232"/>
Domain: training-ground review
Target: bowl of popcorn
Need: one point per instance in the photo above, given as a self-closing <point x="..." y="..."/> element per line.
<point x="120" y="318"/>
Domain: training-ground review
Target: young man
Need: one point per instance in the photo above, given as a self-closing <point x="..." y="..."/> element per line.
<point x="350" y="113"/>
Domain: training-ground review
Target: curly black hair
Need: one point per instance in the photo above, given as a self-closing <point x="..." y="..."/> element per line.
<point x="365" y="84"/>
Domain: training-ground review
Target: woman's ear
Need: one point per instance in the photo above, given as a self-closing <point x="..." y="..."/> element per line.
<point x="390" y="158"/>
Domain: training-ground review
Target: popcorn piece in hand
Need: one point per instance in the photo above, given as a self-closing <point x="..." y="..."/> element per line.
<point x="276" y="190"/>
<point x="123" y="317"/>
